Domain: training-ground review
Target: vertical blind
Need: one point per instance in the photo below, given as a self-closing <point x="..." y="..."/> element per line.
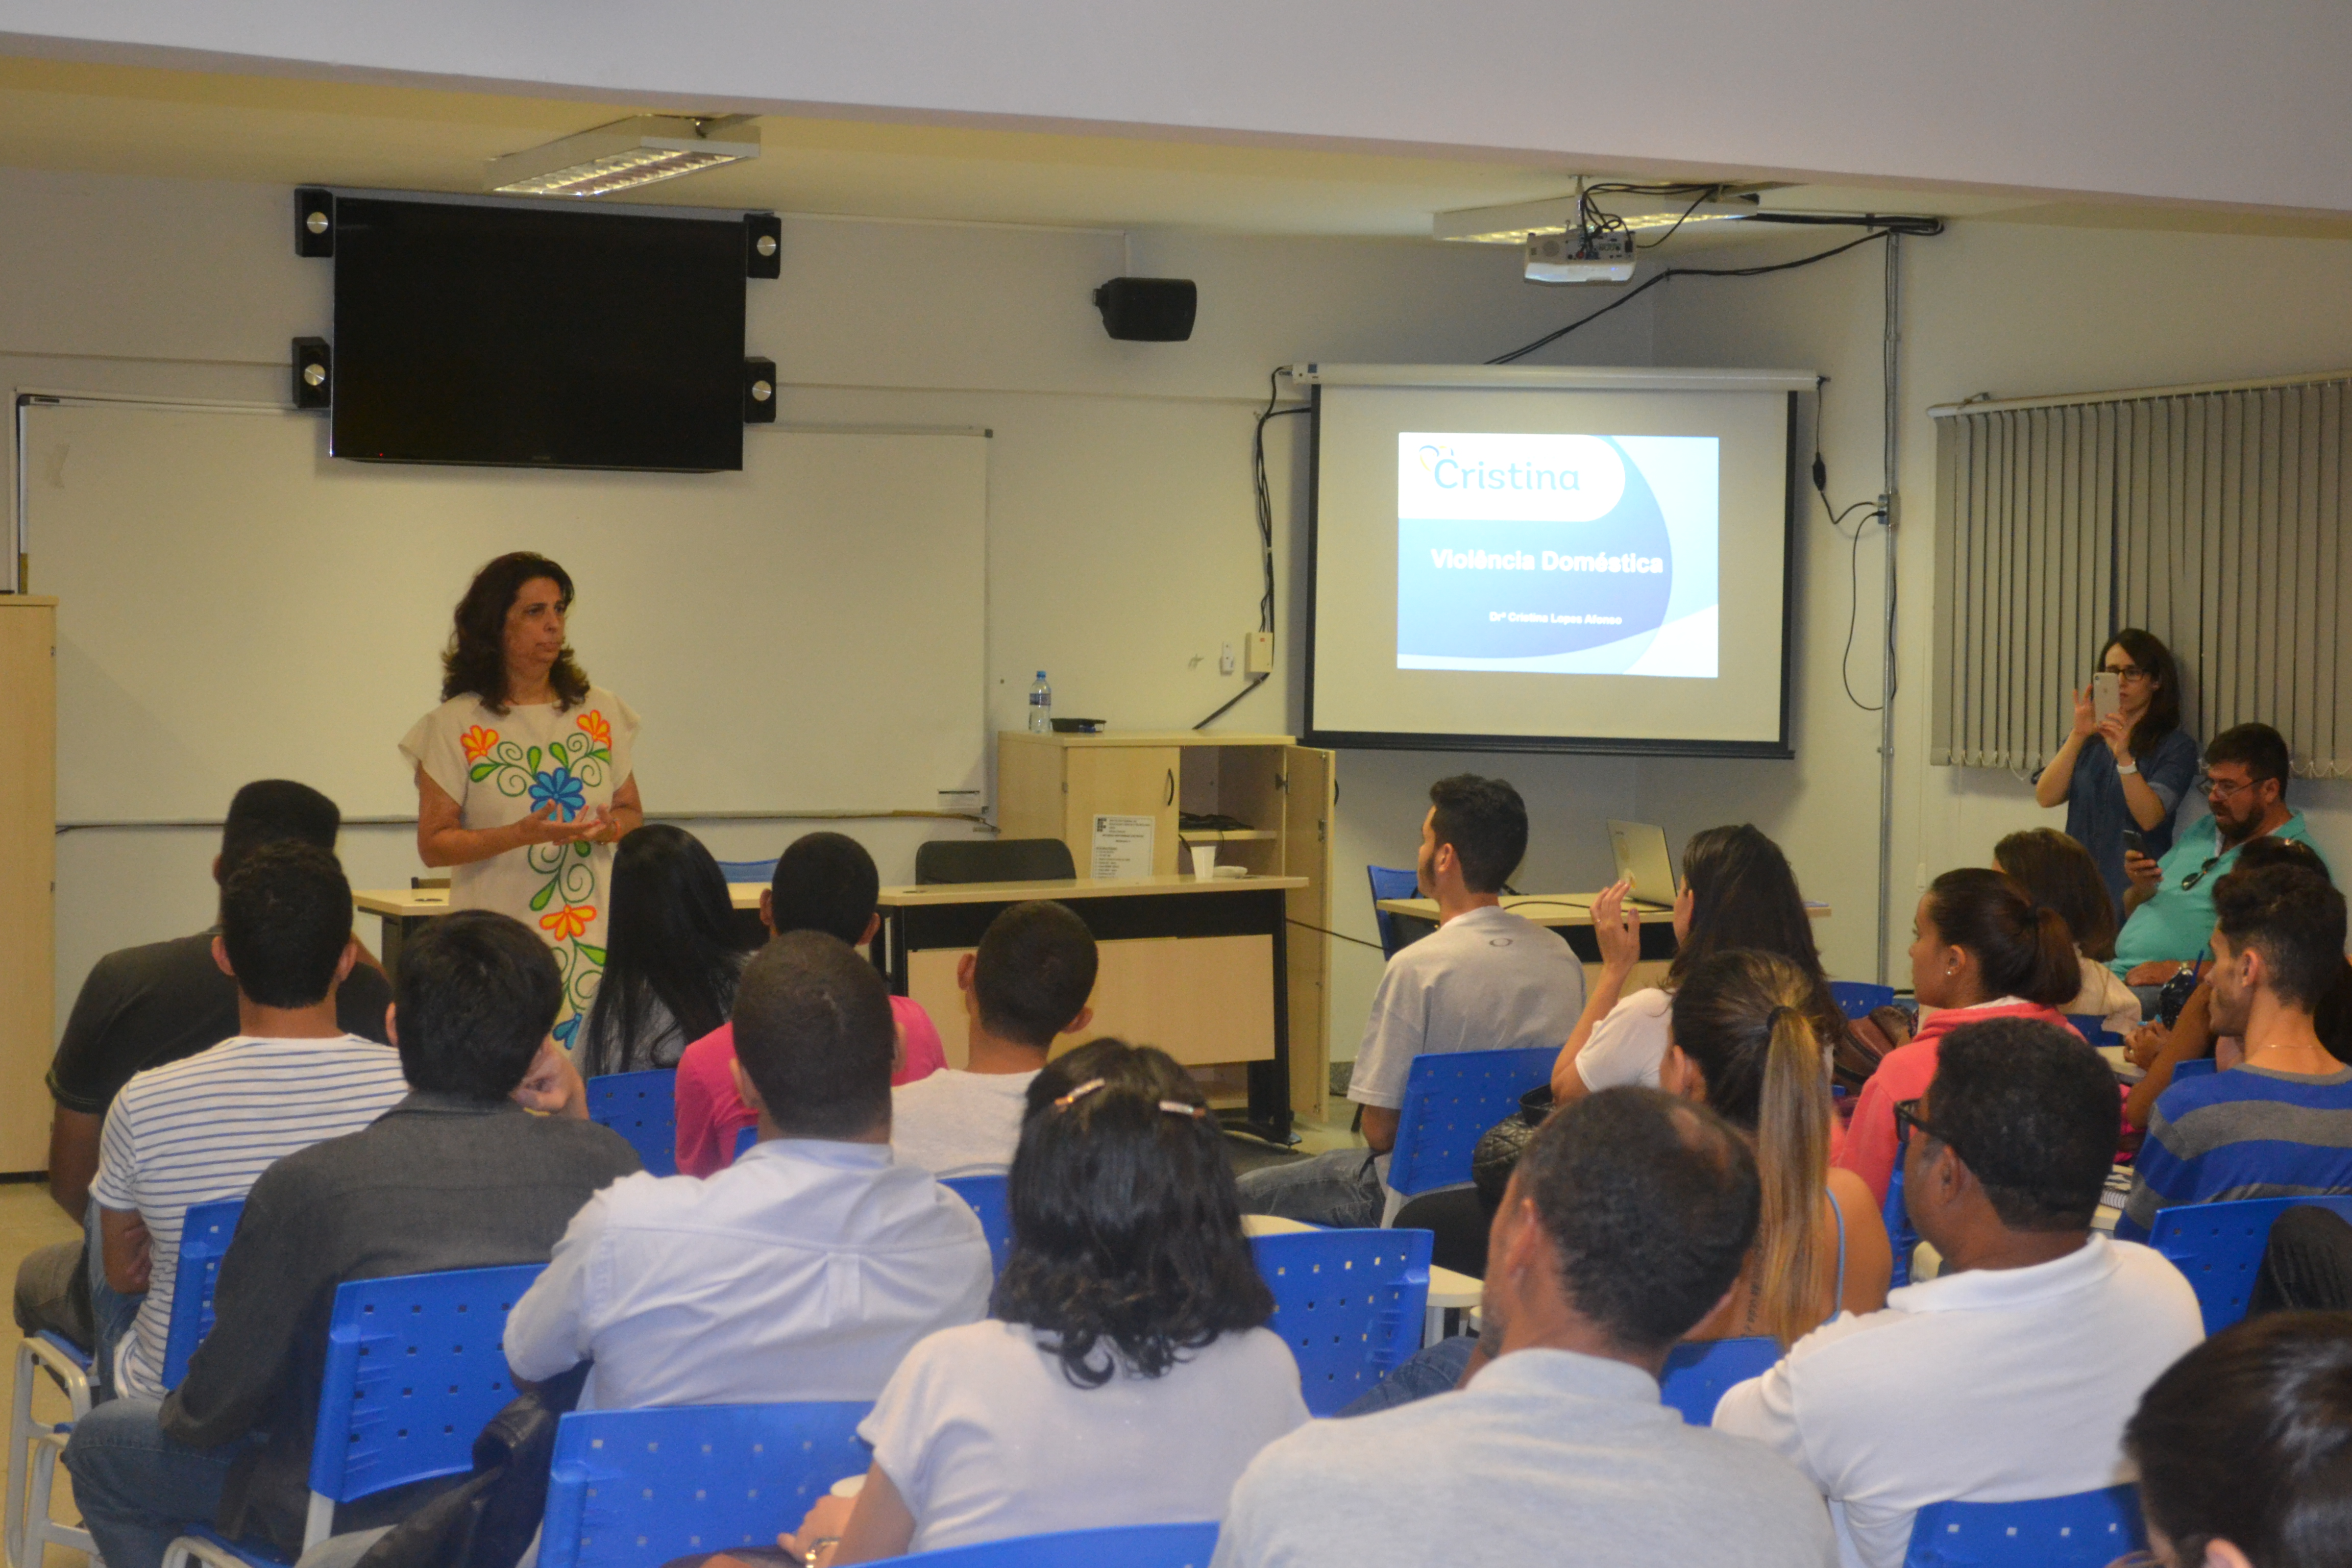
<point x="2213" y="518"/>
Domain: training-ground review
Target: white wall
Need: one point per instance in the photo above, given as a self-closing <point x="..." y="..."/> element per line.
<point x="2169" y="100"/>
<point x="1122" y="540"/>
<point x="2014" y="309"/>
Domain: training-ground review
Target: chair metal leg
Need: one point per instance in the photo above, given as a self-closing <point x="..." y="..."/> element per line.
<point x="20" y="1438"/>
<point x="27" y="1526"/>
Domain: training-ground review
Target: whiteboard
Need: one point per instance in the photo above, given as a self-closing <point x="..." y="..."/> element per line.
<point x="807" y="635"/>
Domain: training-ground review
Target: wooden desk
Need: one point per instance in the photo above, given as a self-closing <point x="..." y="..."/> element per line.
<point x="1571" y="914"/>
<point x="405" y="910"/>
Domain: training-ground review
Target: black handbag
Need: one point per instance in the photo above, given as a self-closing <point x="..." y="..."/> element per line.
<point x="487" y="1521"/>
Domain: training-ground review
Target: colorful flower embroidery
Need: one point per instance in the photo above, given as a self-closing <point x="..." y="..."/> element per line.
<point x="567" y="923"/>
<point x="560" y="788"/>
<point x="477" y="743"/>
<point x="596" y="727"/>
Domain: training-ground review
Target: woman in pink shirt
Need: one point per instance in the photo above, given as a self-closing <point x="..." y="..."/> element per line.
<point x="1981" y="948"/>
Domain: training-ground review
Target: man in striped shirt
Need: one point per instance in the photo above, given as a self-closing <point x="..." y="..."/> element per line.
<point x="206" y="1127"/>
<point x="2280" y="1123"/>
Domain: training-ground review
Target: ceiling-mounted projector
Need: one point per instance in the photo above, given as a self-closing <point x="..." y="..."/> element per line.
<point x="1578" y="256"/>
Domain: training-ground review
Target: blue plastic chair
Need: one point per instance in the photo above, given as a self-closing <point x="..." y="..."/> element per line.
<point x="1349" y="1303"/>
<point x="642" y="1106"/>
<point x="986" y="1195"/>
<point x="1856" y="998"/>
<point x="1900" y="1236"/>
<point x="1388" y="882"/>
<point x="633" y="1488"/>
<point x="2087" y="1529"/>
<point x="1451" y="1097"/>
<point x="760" y="871"/>
<point x="2219" y="1248"/>
<point x="1697" y="1373"/>
<point x="204" y="1235"/>
<point x="744" y="1139"/>
<point x="2195" y="1066"/>
<point x="2093" y="1028"/>
<point x="417" y="1366"/>
<point x="34" y="1447"/>
<point x="1127" y="1546"/>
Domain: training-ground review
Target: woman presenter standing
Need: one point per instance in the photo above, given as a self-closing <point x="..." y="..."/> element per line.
<point x="524" y="779"/>
<point x="2125" y="773"/>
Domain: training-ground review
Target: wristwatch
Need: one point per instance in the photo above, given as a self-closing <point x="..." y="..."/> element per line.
<point x="817" y="1548"/>
<point x="2127" y="767"/>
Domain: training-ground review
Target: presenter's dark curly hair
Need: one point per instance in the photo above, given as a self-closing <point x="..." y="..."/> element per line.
<point x="475" y="662"/>
<point x="1127" y="1232"/>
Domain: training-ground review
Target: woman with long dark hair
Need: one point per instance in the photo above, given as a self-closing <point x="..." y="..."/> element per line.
<point x="2125" y="773"/>
<point x="1980" y="949"/>
<point x="1738" y="893"/>
<point x="1125" y="1374"/>
<point x="673" y="960"/>
<point x="2060" y="873"/>
<point x="525" y="778"/>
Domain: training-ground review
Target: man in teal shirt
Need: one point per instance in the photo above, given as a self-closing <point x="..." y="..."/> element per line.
<point x="2170" y="906"/>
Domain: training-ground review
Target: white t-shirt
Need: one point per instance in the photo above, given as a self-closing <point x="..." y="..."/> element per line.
<point x="1627" y="1044"/>
<point x="1486" y="980"/>
<point x="986" y="1438"/>
<point x="959" y="1123"/>
<point x="1992" y="1386"/>
<point x="205" y="1128"/>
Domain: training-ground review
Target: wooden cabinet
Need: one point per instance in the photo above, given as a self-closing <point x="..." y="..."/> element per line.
<point x="1054" y="786"/>
<point x="28" y="823"/>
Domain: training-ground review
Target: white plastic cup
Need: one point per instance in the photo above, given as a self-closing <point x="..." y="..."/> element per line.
<point x="1205" y="862"/>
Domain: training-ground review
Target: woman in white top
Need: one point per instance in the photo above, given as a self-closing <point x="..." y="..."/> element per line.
<point x="1125" y="1376"/>
<point x="1737" y="892"/>
<point x="2061" y="875"/>
<point x="524" y="774"/>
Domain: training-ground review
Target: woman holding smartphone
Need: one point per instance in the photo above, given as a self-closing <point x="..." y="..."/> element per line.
<point x="2126" y="764"/>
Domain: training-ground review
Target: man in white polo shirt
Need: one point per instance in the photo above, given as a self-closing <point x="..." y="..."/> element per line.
<point x="1485" y="980"/>
<point x="2010" y="1374"/>
<point x="205" y="1128"/>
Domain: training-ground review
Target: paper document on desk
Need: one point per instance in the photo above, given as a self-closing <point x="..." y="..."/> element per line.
<point x="1123" y="846"/>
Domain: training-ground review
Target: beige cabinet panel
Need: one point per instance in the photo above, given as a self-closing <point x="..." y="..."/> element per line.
<point x="28" y="814"/>
<point x="1307" y="798"/>
<point x="1121" y="781"/>
<point x="1201" y="999"/>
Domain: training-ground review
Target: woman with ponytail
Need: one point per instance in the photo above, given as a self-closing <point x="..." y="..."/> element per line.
<point x="1744" y="1045"/>
<point x="1980" y="949"/>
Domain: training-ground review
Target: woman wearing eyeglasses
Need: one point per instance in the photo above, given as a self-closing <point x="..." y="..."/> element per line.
<point x="2129" y="772"/>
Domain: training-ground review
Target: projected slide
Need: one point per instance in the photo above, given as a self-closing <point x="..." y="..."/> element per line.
<point x="1573" y="554"/>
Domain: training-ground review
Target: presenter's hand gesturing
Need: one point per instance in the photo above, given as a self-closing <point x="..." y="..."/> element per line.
<point x="1617" y="929"/>
<point x="540" y="828"/>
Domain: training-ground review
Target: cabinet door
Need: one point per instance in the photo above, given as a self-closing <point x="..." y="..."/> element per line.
<point x="1122" y="781"/>
<point x="1309" y="789"/>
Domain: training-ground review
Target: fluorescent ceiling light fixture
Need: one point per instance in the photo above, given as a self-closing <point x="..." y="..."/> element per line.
<point x="625" y="154"/>
<point x="1512" y="225"/>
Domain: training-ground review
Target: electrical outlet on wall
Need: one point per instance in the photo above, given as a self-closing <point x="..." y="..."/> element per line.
<point x="1225" y="659"/>
<point x="1261" y="653"/>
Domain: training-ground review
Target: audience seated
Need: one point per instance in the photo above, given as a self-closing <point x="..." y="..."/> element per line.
<point x="2010" y="1374"/>
<point x="1027" y="983"/>
<point x="141" y="1007"/>
<point x="809" y="1269"/>
<point x="1127" y="1376"/>
<point x="2244" y="1447"/>
<point x="2170" y="908"/>
<point x="1744" y="1046"/>
<point x="1980" y="949"/>
<point x="204" y="1127"/>
<point x="1485" y="980"/>
<point x="1737" y="892"/>
<point x="2059" y="874"/>
<point x="455" y="1176"/>
<point x="1625" y="1223"/>
<point x="822" y="882"/>
<point x="2279" y="1123"/>
<point x="671" y="955"/>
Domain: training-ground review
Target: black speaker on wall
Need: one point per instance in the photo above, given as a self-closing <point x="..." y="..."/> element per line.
<point x="1149" y="310"/>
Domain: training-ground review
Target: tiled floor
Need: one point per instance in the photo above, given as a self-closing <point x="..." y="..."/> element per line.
<point x="29" y="1220"/>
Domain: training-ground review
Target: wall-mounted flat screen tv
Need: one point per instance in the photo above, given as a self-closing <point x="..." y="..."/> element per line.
<point x="537" y="336"/>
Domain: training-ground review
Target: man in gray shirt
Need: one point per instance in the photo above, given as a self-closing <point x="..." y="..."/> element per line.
<point x="1627" y="1220"/>
<point x="1485" y="980"/>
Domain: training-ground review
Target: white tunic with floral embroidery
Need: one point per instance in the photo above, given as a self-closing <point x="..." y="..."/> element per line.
<point x="502" y="767"/>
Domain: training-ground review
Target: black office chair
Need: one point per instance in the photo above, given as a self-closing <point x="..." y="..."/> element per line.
<point x="994" y="860"/>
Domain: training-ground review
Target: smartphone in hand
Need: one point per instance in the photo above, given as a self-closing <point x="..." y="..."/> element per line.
<point x="2106" y="694"/>
<point x="2135" y="841"/>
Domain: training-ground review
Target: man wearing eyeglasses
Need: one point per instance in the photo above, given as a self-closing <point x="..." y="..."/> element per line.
<point x="2170" y="905"/>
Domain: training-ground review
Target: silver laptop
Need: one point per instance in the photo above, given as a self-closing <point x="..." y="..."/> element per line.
<point x="1641" y="860"/>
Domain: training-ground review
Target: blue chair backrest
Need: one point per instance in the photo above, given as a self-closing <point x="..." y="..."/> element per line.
<point x="633" y="1488"/>
<point x="2088" y="1530"/>
<point x="1349" y="1303"/>
<point x="2195" y="1066"/>
<point x="2219" y="1248"/>
<point x="642" y="1106"/>
<point x="986" y="1196"/>
<point x="1697" y="1375"/>
<point x="1900" y="1236"/>
<point x="760" y="871"/>
<point x="204" y="1235"/>
<point x="2093" y="1028"/>
<point x="1856" y="998"/>
<point x="1127" y="1546"/>
<point x="417" y="1366"/>
<point x="744" y="1139"/>
<point x="1451" y="1097"/>
<point x="1388" y="882"/>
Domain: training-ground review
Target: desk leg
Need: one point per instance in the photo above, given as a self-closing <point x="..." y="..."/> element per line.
<point x="397" y="929"/>
<point x="1269" y="1081"/>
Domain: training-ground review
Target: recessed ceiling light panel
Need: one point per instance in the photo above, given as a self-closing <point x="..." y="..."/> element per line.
<point x="625" y="154"/>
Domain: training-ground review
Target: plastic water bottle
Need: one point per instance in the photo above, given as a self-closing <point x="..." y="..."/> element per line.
<point x="1040" y="707"/>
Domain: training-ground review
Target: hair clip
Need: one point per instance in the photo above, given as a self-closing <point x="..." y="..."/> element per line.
<point x="1191" y="1113"/>
<point x="1078" y="1094"/>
